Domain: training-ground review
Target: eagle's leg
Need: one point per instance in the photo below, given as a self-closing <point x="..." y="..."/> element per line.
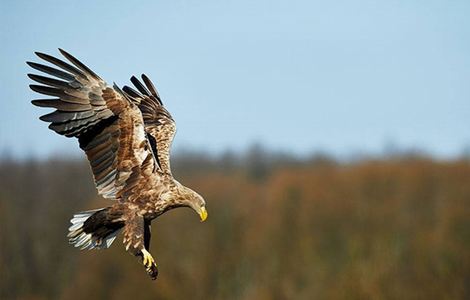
<point x="136" y="239"/>
<point x="152" y="269"/>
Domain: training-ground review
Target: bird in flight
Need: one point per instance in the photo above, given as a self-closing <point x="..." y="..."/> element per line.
<point x="126" y="135"/>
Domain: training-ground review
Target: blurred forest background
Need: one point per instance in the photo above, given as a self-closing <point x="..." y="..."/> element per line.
<point x="279" y="227"/>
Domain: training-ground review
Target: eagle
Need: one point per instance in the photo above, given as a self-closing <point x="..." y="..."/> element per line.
<point x="126" y="135"/>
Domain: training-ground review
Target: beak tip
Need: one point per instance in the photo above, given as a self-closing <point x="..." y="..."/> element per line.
<point x="203" y="214"/>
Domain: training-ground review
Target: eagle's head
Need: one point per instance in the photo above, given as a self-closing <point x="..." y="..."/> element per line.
<point x="189" y="198"/>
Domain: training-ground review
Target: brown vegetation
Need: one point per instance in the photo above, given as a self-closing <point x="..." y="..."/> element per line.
<point x="396" y="229"/>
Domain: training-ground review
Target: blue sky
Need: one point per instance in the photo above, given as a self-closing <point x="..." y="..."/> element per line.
<point x="297" y="76"/>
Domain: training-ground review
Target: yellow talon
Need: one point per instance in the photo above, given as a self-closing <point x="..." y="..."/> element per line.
<point x="148" y="259"/>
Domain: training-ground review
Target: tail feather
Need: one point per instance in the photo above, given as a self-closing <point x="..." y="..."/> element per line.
<point x="96" y="234"/>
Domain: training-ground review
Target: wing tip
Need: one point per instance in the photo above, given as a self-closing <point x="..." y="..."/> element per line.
<point x="151" y="87"/>
<point x="41" y="55"/>
<point x="37" y="103"/>
<point x="32" y="76"/>
<point x="44" y="119"/>
<point x="65" y="53"/>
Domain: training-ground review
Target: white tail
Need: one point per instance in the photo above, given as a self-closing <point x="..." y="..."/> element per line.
<point x="83" y="240"/>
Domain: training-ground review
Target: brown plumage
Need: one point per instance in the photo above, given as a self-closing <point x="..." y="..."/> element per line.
<point x="126" y="135"/>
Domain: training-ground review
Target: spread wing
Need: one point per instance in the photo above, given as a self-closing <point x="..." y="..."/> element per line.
<point x="159" y="125"/>
<point x="108" y="124"/>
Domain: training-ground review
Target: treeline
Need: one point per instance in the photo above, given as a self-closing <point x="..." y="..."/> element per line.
<point x="279" y="227"/>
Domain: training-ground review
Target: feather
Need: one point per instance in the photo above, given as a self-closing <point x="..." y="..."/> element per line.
<point x="96" y="100"/>
<point x="96" y="141"/>
<point x="152" y="88"/>
<point x="105" y="173"/>
<point x="62" y="116"/>
<point x="70" y="127"/>
<point x="79" y="127"/>
<point x="107" y="180"/>
<point x="105" y="158"/>
<point x="139" y="86"/>
<point x="79" y="64"/>
<point x="110" y="238"/>
<point x="112" y="148"/>
<point x="61" y="105"/>
<point x="61" y="64"/>
<point x="75" y="226"/>
<point x="49" y="81"/>
<point x="50" y="91"/>
<point x="51" y="71"/>
<point x="74" y="99"/>
<point x="87" y="140"/>
<point x="131" y="92"/>
<point x="103" y="146"/>
<point x="86" y="244"/>
<point x="83" y="239"/>
<point x="46" y="90"/>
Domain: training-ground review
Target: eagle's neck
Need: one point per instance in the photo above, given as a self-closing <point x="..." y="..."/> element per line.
<point x="171" y="199"/>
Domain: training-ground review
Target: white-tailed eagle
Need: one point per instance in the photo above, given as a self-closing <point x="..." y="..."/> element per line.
<point x="126" y="135"/>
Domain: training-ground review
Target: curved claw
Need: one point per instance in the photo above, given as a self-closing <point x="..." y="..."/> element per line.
<point x="152" y="272"/>
<point x="149" y="263"/>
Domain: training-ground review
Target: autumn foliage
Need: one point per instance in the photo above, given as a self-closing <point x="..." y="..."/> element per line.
<point x="277" y="229"/>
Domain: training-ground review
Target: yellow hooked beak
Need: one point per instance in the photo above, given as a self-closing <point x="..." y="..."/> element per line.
<point x="203" y="214"/>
